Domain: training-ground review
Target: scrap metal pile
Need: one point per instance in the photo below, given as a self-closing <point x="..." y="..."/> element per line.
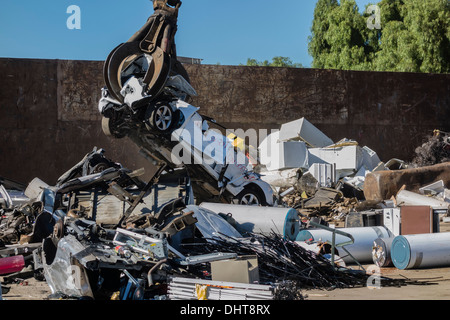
<point x="206" y="228"/>
<point x="333" y="180"/>
<point x="103" y="233"/>
<point x="435" y="150"/>
<point x="287" y="262"/>
<point x="99" y="221"/>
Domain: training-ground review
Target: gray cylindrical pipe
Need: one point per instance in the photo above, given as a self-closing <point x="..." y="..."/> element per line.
<point x="363" y="237"/>
<point x="418" y="251"/>
<point x="284" y="221"/>
<point x="381" y="252"/>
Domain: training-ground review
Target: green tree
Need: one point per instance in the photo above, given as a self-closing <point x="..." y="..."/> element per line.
<point x="414" y="36"/>
<point x="283" y="62"/>
<point x="428" y="21"/>
<point x="337" y="39"/>
<point x="319" y="47"/>
<point x="345" y="36"/>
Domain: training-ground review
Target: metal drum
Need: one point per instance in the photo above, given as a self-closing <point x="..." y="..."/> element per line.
<point x="421" y="251"/>
<point x="361" y="249"/>
<point x="381" y="252"/>
<point x="265" y="220"/>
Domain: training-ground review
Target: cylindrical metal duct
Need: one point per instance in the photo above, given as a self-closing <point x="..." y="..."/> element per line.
<point x="265" y="220"/>
<point x="381" y="252"/>
<point x="417" y="251"/>
<point x="363" y="237"/>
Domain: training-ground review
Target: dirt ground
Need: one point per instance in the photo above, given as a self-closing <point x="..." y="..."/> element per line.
<point x="29" y="289"/>
<point x="437" y="286"/>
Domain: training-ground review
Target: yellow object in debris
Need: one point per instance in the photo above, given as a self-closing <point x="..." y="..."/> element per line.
<point x="115" y="295"/>
<point x="237" y="142"/>
<point x="304" y="195"/>
<point x="239" y="145"/>
<point x="201" y="292"/>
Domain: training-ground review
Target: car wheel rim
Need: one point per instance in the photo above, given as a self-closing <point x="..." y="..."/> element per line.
<point x="250" y="200"/>
<point x="163" y="118"/>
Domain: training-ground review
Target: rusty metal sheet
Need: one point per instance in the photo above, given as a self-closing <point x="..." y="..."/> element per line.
<point x="382" y="185"/>
<point x="416" y="220"/>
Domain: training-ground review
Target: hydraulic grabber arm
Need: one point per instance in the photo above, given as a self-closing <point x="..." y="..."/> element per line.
<point x="156" y="41"/>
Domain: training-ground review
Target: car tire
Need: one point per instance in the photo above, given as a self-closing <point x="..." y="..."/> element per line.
<point x="162" y="118"/>
<point x="99" y="167"/>
<point x="251" y="197"/>
<point x="108" y="129"/>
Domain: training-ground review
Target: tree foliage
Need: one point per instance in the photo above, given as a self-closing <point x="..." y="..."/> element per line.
<point x="283" y="62"/>
<point x="414" y="36"/>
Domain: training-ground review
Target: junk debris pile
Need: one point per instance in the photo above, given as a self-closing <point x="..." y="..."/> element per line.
<point x="204" y="228"/>
<point x="333" y="181"/>
<point x="284" y="261"/>
<point x="435" y="150"/>
<point x="103" y="233"/>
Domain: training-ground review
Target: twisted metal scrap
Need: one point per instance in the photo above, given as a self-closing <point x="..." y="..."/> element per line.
<point x="434" y="151"/>
<point x="285" y="262"/>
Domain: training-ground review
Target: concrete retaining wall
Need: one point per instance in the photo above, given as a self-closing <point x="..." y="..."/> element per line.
<point x="49" y="118"/>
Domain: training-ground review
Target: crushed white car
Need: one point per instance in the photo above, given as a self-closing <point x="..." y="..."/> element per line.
<point x="171" y="131"/>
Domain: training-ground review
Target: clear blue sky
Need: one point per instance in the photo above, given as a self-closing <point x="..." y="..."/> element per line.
<point x="217" y="31"/>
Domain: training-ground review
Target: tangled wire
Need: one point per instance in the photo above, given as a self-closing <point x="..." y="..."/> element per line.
<point x="293" y="267"/>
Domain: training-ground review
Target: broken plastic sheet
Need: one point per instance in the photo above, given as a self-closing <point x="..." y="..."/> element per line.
<point x="211" y="225"/>
<point x="281" y="178"/>
<point x="180" y="83"/>
<point x="358" y="179"/>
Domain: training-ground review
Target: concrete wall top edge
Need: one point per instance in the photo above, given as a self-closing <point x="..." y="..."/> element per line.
<point x="447" y="75"/>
